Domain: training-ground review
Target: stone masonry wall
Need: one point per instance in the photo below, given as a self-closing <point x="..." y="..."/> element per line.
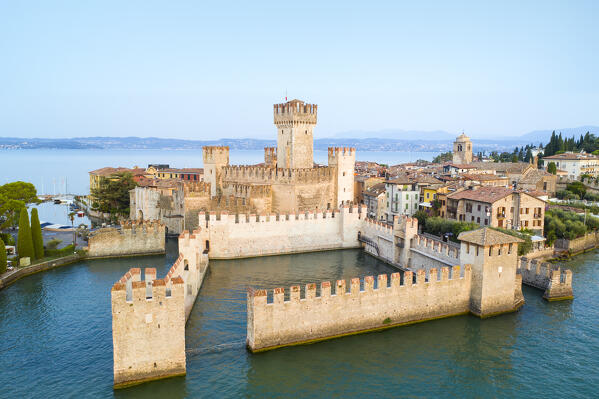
<point x="133" y="239"/>
<point x="238" y="236"/>
<point x="148" y="328"/>
<point x="148" y="317"/>
<point x="332" y="314"/>
<point x="555" y="283"/>
<point x="378" y="239"/>
<point x="427" y="252"/>
<point x="589" y="241"/>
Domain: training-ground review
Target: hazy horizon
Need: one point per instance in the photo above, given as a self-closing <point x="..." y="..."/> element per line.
<point x="210" y="71"/>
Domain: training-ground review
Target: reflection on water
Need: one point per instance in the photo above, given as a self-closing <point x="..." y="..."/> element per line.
<point x="56" y="339"/>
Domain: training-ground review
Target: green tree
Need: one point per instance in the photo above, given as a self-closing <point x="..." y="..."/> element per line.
<point x="514" y="158"/>
<point x="577" y="188"/>
<point x="551" y="168"/>
<point x="13" y="197"/>
<point x="24" y="241"/>
<point x="36" y="235"/>
<point x="112" y="195"/>
<point x="443" y="157"/>
<point x="2" y="257"/>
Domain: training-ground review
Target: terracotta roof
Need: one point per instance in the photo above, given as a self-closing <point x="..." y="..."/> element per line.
<point x="375" y="190"/>
<point x="487" y="236"/>
<point x="107" y="171"/>
<point x="481" y="176"/>
<point x="488" y="194"/>
<point x="533" y="176"/>
<point x="461" y="166"/>
<point x="572" y="156"/>
<point x="512" y="167"/>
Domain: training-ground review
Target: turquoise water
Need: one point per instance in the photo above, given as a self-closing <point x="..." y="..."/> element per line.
<point x="55" y="339"/>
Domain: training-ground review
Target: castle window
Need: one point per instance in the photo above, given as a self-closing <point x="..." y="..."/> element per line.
<point x="467" y="247"/>
<point x="499" y="250"/>
<point x="509" y="248"/>
<point x="490" y="250"/>
<point x="476" y="250"/>
<point x="343" y="173"/>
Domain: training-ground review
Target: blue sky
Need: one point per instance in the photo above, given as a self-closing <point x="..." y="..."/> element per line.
<point x="213" y="69"/>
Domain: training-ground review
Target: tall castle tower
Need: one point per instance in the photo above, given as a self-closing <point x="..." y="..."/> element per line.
<point x="295" y="142"/>
<point x="214" y="160"/>
<point x="344" y="162"/>
<point x="462" y="150"/>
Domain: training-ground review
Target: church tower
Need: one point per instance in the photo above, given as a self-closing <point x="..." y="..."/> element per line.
<point x="462" y="150"/>
<point x="295" y="141"/>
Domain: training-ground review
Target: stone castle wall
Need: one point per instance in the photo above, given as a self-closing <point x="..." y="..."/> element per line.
<point x="580" y="244"/>
<point x="427" y="252"/>
<point x="379" y="240"/>
<point x="148" y="317"/>
<point x="132" y="239"/>
<point x="238" y="236"/>
<point x="556" y="283"/>
<point x="148" y="328"/>
<point x="388" y="304"/>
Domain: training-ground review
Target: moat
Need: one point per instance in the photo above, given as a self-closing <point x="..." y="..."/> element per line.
<point x="55" y="339"/>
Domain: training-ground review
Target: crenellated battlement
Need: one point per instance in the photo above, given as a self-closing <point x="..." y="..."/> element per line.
<point x="195" y="189"/>
<point x="359" y="212"/>
<point x="435" y="248"/>
<point x="556" y="283"/>
<point x="270" y="157"/>
<point x="216" y="154"/>
<point x="381" y="303"/>
<point x="341" y="152"/>
<point x="376" y="225"/>
<point x="246" y="190"/>
<point x="142" y="227"/>
<point x="266" y="175"/>
<point x="134" y="238"/>
<point x="294" y="112"/>
<point x="148" y="327"/>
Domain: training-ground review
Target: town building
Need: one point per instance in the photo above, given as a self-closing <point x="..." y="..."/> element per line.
<point x="362" y="183"/>
<point x="575" y="164"/>
<point x="375" y="199"/>
<point x="497" y="207"/>
<point x="402" y="195"/>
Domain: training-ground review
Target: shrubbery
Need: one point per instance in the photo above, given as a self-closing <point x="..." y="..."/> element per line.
<point x="526" y="246"/>
<point x="439" y="226"/>
<point x="68" y="250"/>
<point x="567" y="224"/>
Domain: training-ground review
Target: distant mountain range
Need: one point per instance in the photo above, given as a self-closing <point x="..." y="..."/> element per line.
<point x="382" y="140"/>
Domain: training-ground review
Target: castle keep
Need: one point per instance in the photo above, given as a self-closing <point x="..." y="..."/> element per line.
<point x="288" y="181"/>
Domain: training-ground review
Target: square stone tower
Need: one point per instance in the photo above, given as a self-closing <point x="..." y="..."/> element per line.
<point x="215" y="158"/>
<point x="295" y="141"/>
<point x="494" y="259"/>
<point x="462" y="150"/>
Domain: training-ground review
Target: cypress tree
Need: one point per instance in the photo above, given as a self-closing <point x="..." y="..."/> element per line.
<point x="2" y="257"/>
<point x="24" y="241"/>
<point x="36" y="235"/>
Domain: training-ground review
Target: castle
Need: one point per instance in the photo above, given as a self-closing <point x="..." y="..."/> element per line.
<point x="481" y="275"/>
<point x="288" y="181"/>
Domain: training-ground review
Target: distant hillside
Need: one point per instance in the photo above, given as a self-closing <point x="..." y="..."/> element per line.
<point x="381" y="140"/>
<point x="544" y="135"/>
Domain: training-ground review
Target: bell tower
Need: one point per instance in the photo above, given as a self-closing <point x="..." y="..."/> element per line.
<point x="295" y="121"/>
<point x="462" y="150"/>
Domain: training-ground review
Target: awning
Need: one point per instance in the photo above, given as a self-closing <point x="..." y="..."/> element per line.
<point x="425" y="204"/>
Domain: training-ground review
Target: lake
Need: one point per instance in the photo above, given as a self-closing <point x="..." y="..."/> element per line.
<point x="55" y="339"/>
